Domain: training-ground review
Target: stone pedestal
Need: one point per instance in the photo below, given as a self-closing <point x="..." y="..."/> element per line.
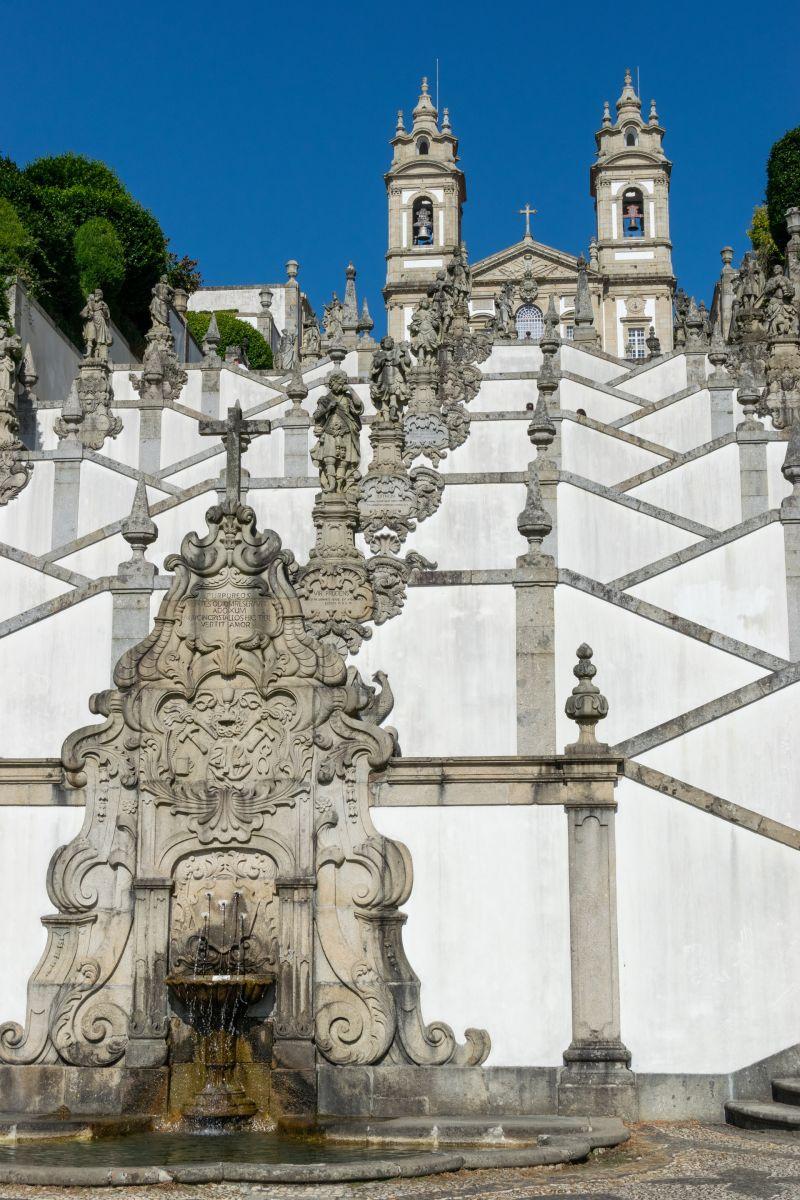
<point x="296" y="463"/>
<point x="696" y="372"/>
<point x="130" y="618"/>
<point x="548" y="483"/>
<point x="66" y="492"/>
<point x="150" y="438"/>
<point x="209" y="394"/>
<point x="752" y="441"/>
<point x="596" y="1077"/>
<point x="721" y="404"/>
<point x="534" y="588"/>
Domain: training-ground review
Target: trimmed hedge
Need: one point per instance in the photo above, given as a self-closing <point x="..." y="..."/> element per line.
<point x="232" y="332"/>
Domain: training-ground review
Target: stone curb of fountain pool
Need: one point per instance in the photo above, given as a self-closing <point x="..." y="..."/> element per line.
<point x="407" y="1167"/>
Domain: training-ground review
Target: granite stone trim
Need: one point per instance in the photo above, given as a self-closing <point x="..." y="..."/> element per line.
<point x="670" y="620"/>
<point x="151" y="478"/>
<point x="726" y="810"/>
<point x="607" y="389"/>
<point x="630" y="438"/>
<point x="676" y="559"/>
<point x="52" y="569"/>
<point x="647" y="409"/>
<point x="643" y="367"/>
<point x="613" y="494"/>
<point x="58" y="604"/>
<point x="688" y="456"/>
<point x="712" y="710"/>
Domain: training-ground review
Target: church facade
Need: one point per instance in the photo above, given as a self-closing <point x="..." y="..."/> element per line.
<point x="627" y="284"/>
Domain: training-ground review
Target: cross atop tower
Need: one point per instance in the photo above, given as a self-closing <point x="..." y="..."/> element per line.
<point x="236" y="433"/>
<point x="527" y="212"/>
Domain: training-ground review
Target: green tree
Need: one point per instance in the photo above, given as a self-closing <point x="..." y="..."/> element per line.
<point x="783" y="184"/>
<point x="233" y="332"/>
<point x="99" y="257"/>
<point x="184" y="273"/>
<point x="761" y="239"/>
<point x="54" y="197"/>
<point x="17" y="247"/>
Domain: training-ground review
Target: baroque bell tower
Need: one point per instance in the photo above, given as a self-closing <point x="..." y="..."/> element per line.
<point x="630" y="184"/>
<point x="425" y="191"/>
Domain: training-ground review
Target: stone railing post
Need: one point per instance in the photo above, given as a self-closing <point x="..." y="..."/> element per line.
<point x="596" y="1077"/>
<point x="133" y="586"/>
<point x="752" y="441"/>
<point x="296" y="423"/>
<point x="720" y="386"/>
<point x="67" y="474"/>
<point x="534" y="586"/>
<point x="790" y="519"/>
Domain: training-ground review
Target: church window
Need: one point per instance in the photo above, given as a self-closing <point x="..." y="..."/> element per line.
<point x="637" y="347"/>
<point x="422" y="221"/>
<point x="632" y="213"/>
<point x="423" y="146"/>
<point x="530" y="323"/>
<point x="569" y="333"/>
<point x="631" y="136"/>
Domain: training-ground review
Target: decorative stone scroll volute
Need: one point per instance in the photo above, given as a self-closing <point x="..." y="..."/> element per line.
<point x="235" y="747"/>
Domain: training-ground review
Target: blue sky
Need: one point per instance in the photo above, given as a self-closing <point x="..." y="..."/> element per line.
<point x="259" y="132"/>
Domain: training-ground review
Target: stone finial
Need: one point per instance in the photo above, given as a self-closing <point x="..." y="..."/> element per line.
<point x="594" y="259"/>
<point x="296" y="389"/>
<point x="425" y="113"/>
<point x="586" y="705"/>
<point x="138" y="529"/>
<point x="400" y="126"/>
<point x="446" y="126"/>
<point x="550" y="340"/>
<point x="606" y="115"/>
<point x="211" y="342"/>
<point x="534" y="522"/>
<point x="541" y="429"/>
<point x="71" y="417"/>
<point x="292" y="268"/>
<point x="350" y="303"/>
<point x="180" y="300"/>
<point x="628" y="101"/>
<point x="337" y="354"/>
<point x="726" y="254"/>
<point x="265" y="298"/>
<point x="366" y="323"/>
<point x="585" y="332"/>
<point x="653" y="118"/>
<point x="653" y="343"/>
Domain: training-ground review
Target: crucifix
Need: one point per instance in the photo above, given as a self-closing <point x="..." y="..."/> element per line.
<point x="527" y="212"/>
<point x="236" y="433"/>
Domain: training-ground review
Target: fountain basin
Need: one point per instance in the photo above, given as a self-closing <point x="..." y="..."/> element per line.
<point x="216" y="1006"/>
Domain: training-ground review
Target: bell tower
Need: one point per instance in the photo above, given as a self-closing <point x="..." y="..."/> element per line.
<point x="425" y="191"/>
<point x="630" y="184"/>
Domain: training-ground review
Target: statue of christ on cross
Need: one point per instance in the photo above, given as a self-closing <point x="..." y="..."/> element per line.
<point x="236" y="433"/>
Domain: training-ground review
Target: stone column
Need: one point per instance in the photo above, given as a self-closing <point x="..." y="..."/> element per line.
<point x="790" y="519"/>
<point x="211" y="366"/>
<point x="296" y="423"/>
<point x="133" y="586"/>
<point x="596" y="1077"/>
<point x="67" y="474"/>
<point x="265" y="322"/>
<point x="752" y="441"/>
<point x="150" y="438"/>
<point x="147" y="1043"/>
<point x="294" y="314"/>
<point x="720" y="386"/>
<point x="534" y="586"/>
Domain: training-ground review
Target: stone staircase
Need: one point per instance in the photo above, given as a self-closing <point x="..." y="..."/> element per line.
<point x="782" y="1112"/>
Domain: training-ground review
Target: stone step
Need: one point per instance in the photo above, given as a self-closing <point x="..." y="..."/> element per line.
<point x="761" y="1114"/>
<point x="787" y="1090"/>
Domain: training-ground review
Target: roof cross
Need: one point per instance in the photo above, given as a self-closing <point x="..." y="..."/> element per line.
<point x="527" y="212"/>
<point x="236" y="433"/>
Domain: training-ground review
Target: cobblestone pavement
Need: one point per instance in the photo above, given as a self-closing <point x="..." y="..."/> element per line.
<point x="680" y="1161"/>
